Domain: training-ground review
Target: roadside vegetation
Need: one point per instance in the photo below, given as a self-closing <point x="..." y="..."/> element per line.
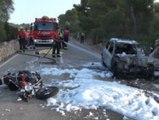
<point x="99" y="20"/>
<point x="7" y="31"/>
<point x="103" y="19"/>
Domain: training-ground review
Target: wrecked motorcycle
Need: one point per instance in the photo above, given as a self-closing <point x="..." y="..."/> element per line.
<point x="28" y="84"/>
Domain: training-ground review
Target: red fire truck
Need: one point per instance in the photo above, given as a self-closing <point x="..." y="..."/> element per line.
<point x="44" y="31"/>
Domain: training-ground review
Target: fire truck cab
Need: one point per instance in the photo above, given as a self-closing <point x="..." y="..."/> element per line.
<point x="44" y="30"/>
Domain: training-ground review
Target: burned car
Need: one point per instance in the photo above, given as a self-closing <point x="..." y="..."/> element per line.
<point x="125" y="58"/>
<point x="155" y="54"/>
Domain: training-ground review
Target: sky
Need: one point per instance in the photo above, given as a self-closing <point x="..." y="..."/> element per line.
<point x="27" y="10"/>
<point x="87" y="91"/>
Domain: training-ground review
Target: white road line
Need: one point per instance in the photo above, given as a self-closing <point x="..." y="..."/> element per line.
<point x="8" y="60"/>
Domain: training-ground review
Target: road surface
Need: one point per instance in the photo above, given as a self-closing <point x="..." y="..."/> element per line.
<point x="74" y="57"/>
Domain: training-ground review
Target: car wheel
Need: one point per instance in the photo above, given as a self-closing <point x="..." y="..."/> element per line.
<point x="114" y="68"/>
<point x="103" y="60"/>
<point x="151" y="70"/>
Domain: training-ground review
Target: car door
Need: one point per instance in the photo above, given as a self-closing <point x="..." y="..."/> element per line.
<point x="107" y="54"/>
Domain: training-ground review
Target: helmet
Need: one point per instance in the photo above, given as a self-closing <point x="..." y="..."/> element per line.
<point x="21" y="28"/>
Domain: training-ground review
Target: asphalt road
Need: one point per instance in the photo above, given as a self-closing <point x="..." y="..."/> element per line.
<point x="74" y="56"/>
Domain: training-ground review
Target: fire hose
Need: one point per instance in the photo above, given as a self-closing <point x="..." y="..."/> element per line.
<point x="39" y="56"/>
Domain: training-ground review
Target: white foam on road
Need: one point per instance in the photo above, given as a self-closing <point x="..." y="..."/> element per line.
<point x="89" y="92"/>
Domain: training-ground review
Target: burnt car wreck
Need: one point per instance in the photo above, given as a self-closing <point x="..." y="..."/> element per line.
<point x="125" y="58"/>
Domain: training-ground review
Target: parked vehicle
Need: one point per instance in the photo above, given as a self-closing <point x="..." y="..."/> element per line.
<point x="125" y="58"/>
<point x="44" y="31"/>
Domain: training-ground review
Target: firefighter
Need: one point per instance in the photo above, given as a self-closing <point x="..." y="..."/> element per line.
<point x="61" y="34"/>
<point x="31" y="41"/>
<point x="66" y="37"/>
<point x="56" y="46"/>
<point x="82" y="37"/>
<point x="21" y="37"/>
<point x="27" y="37"/>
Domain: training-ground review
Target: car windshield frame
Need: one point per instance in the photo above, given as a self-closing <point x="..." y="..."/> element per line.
<point x="127" y="48"/>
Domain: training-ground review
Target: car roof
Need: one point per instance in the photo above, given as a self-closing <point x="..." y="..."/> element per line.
<point x="124" y="41"/>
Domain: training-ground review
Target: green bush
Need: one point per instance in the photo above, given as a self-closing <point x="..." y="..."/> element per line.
<point x="2" y="32"/>
<point x="7" y="32"/>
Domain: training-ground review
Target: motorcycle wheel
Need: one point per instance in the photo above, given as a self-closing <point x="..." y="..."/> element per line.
<point x="46" y="92"/>
<point x="12" y="86"/>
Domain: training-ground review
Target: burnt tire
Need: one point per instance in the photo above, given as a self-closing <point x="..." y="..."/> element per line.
<point x="103" y="63"/>
<point x="114" y="69"/>
<point x="1" y="82"/>
<point x="151" y="70"/>
<point x="102" y="60"/>
<point x="46" y="92"/>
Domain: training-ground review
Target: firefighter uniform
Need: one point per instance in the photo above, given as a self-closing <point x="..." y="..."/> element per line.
<point x="21" y="38"/>
<point x="66" y="37"/>
<point x="56" y="46"/>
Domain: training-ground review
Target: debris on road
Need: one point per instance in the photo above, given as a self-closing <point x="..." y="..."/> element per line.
<point x="52" y="60"/>
<point x="28" y="84"/>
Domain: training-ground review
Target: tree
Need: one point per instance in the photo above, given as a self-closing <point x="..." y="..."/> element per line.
<point x="154" y="28"/>
<point x="6" y="7"/>
<point x="69" y="20"/>
<point x="102" y="19"/>
<point x="11" y="31"/>
<point x="2" y="32"/>
<point x="116" y="18"/>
